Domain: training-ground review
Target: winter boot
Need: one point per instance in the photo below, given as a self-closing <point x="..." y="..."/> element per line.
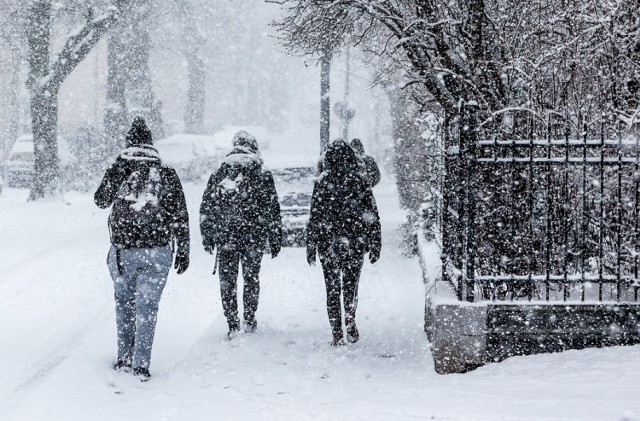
<point x="352" y="331"/>
<point x="337" y="338"/>
<point x="142" y="374"/>
<point x="122" y="364"/>
<point x="234" y="330"/>
<point x="250" y="326"/>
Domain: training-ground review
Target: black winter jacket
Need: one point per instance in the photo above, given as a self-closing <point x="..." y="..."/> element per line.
<point x="175" y="219"/>
<point x="343" y="211"/>
<point x="260" y="222"/>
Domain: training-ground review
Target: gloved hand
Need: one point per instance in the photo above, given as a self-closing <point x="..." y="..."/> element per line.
<point x="374" y="253"/>
<point x="311" y="254"/>
<point x="275" y="250"/>
<point x="209" y="248"/>
<point x="182" y="260"/>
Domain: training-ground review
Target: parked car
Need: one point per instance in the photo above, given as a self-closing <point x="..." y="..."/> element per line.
<point x="20" y="165"/>
<point x="20" y="162"/>
<point x="192" y="156"/>
<point x="294" y="186"/>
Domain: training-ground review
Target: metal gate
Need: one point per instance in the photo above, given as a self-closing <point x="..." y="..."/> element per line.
<point x="542" y="219"/>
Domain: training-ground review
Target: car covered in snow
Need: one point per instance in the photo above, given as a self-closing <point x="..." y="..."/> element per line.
<point x="192" y="156"/>
<point x="294" y="186"/>
<point x="21" y="161"/>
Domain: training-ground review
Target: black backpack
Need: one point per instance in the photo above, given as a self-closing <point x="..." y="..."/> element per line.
<point x="237" y="199"/>
<point x="137" y="212"/>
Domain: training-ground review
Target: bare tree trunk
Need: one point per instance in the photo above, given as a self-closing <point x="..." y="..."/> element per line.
<point x="139" y="95"/>
<point x="116" y="119"/>
<point x="129" y="88"/>
<point x="325" y="100"/>
<point x="43" y="103"/>
<point x="45" y="79"/>
<point x="195" y="42"/>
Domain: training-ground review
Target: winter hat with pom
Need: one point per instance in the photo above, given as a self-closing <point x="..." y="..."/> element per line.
<point x="246" y="140"/>
<point x="139" y="133"/>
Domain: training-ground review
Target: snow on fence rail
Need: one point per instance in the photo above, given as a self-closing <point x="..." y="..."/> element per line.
<point x="542" y="219"/>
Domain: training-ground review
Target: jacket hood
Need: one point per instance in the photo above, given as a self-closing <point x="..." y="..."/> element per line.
<point x="243" y="156"/>
<point x="140" y="154"/>
<point x="245" y="140"/>
<point x="340" y="160"/>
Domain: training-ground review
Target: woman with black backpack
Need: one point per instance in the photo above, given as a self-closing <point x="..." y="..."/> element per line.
<point x="148" y="215"/>
<point x="343" y="226"/>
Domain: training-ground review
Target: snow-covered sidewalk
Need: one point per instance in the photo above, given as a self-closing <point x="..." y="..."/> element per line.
<point x="57" y="332"/>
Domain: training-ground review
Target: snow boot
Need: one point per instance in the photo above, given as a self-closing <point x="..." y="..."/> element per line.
<point x="122" y="364"/>
<point x="352" y="331"/>
<point x="337" y="338"/>
<point x="250" y="326"/>
<point x="234" y="330"/>
<point x="142" y="374"/>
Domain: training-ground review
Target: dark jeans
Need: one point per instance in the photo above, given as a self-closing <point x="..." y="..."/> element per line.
<point x="228" y="261"/>
<point x="341" y="275"/>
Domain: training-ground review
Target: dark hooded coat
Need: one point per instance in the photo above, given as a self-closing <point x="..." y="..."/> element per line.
<point x="173" y="221"/>
<point x="343" y="209"/>
<point x="257" y="222"/>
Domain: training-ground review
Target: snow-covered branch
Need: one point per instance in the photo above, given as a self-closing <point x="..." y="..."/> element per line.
<point x="79" y="43"/>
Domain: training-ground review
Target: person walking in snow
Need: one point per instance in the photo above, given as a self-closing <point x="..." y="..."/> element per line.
<point x="343" y="226"/>
<point x="371" y="168"/>
<point x="148" y="216"/>
<point x="240" y="217"/>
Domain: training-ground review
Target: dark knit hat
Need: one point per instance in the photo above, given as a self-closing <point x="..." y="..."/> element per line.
<point x="139" y="133"/>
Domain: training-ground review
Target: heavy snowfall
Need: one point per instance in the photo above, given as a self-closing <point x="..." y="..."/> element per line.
<point x="298" y="75"/>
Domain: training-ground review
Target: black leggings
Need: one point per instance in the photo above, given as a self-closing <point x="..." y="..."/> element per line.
<point x="341" y="275"/>
<point x="229" y="261"/>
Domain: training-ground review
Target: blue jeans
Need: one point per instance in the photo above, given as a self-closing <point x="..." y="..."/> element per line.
<point x="138" y="279"/>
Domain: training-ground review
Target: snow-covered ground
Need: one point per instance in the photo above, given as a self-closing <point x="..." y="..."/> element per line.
<point x="57" y="340"/>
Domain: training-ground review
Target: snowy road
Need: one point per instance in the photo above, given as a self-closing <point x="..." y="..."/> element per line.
<point x="57" y="336"/>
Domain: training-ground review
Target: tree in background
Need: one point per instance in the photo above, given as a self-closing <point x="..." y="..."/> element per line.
<point x="46" y="75"/>
<point x="194" y="40"/>
<point x="12" y="44"/>
<point x="536" y="57"/>
<point x="129" y="84"/>
<point x="534" y="68"/>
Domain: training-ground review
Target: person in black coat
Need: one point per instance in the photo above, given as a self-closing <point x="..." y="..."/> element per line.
<point x="371" y="168"/>
<point x="343" y="226"/>
<point x="148" y="214"/>
<point x="240" y="216"/>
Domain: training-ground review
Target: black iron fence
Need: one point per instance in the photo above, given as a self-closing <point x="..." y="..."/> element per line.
<point x="544" y="219"/>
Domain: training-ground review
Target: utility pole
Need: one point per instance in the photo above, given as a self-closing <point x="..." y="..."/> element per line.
<point x="347" y="75"/>
<point x="342" y="109"/>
